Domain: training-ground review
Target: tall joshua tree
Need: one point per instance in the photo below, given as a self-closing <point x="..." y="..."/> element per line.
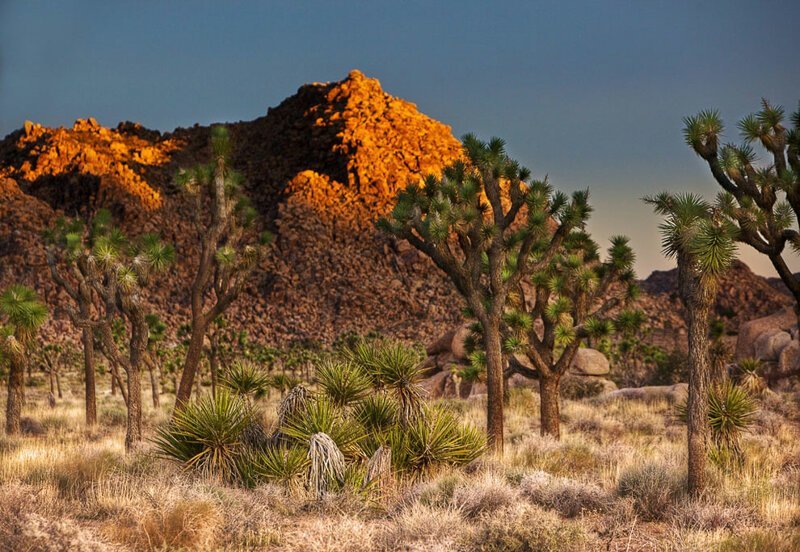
<point x="230" y="248"/>
<point x="115" y="272"/>
<point x="762" y="200"/>
<point x="480" y="223"/>
<point x="701" y="239"/>
<point x="574" y="299"/>
<point x="24" y="315"/>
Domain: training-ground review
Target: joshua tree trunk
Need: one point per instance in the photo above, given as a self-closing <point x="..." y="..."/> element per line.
<point x="193" y="357"/>
<point x="698" y="296"/>
<point x="549" y="394"/>
<point x="58" y="384"/>
<point x="138" y="344"/>
<point x="51" y="376"/>
<point x="494" y="384"/>
<point x="89" y="375"/>
<point x="16" y="383"/>
<point x="116" y="377"/>
<point x="154" y="387"/>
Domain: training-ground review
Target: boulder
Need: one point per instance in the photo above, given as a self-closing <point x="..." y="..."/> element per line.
<point x="435" y="385"/>
<point x="31" y="426"/>
<point x="783" y="320"/>
<point x="457" y="343"/>
<point x="768" y="345"/>
<point x="789" y="360"/>
<point x="441" y="345"/>
<point x="589" y="362"/>
<point x="651" y="393"/>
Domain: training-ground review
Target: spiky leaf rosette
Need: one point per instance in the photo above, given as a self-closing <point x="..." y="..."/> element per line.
<point x="435" y="439"/>
<point x="206" y="435"/>
<point x="399" y="371"/>
<point x="343" y="382"/>
<point x="245" y="378"/>
<point x="320" y="415"/>
<point x="281" y="463"/>
<point x="23" y="311"/>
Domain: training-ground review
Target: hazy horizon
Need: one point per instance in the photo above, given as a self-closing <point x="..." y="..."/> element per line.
<point x="592" y="95"/>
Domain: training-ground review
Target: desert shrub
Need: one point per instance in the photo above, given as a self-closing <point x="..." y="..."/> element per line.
<point x="189" y="523"/>
<point x="762" y="539"/>
<point x="206" y="435"/>
<point x="653" y="486"/>
<point x="566" y="496"/>
<point x="486" y="493"/>
<point x="710" y="514"/>
<point x="526" y="528"/>
<point x="568" y="456"/>
<point x="422" y="527"/>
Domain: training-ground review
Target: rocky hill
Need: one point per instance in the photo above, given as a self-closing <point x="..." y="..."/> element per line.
<point x="320" y="167"/>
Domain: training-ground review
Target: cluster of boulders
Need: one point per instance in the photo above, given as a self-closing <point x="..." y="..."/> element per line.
<point x="447" y="356"/>
<point x="773" y="340"/>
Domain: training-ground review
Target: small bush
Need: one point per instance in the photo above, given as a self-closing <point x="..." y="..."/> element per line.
<point x="568" y="497"/>
<point x="653" y="488"/>
<point x="527" y="528"/>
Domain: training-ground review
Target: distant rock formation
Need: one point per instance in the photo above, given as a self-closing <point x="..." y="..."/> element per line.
<point x="321" y="167"/>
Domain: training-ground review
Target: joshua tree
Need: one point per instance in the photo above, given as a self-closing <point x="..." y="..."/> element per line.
<point x="575" y="296"/>
<point x="24" y="315"/>
<point x="481" y="224"/>
<point x="156" y="332"/>
<point x="763" y="201"/>
<point x="117" y="273"/>
<point x="229" y="248"/>
<point x="701" y="239"/>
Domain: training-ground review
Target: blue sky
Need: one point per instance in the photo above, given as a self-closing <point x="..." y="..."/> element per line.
<point x="591" y="93"/>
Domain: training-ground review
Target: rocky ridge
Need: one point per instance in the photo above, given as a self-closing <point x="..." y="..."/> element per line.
<point x="321" y="167"/>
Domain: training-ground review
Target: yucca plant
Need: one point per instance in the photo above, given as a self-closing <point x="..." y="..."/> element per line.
<point x="207" y="435"/>
<point x="245" y="379"/>
<point x="435" y="439"/>
<point x="731" y="410"/>
<point x="327" y="464"/>
<point x="377" y="413"/>
<point x="399" y="371"/>
<point x="281" y="463"/>
<point x="320" y="415"/>
<point x="749" y="376"/>
<point x="344" y="382"/>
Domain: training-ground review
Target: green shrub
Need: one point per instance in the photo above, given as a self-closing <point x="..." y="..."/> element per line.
<point x="206" y="435"/>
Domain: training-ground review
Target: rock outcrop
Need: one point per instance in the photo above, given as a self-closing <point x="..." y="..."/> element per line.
<point x="320" y="167"/>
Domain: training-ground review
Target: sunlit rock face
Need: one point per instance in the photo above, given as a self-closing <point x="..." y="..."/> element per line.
<point x="321" y="167"/>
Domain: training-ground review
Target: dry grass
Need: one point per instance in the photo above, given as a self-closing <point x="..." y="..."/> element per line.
<point x="614" y="482"/>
